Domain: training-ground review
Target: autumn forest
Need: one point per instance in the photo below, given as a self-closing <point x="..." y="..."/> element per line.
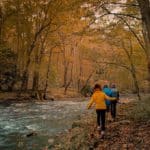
<point x="72" y="44"/>
<point x="51" y="49"/>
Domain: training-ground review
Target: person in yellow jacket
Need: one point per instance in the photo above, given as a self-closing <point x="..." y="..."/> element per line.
<point x="98" y="98"/>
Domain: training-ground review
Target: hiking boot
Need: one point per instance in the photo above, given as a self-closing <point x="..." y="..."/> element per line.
<point x="113" y="119"/>
<point x="102" y="135"/>
<point x="99" y="128"/>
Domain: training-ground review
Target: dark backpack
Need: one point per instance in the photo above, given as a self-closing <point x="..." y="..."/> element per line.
<point x="115" y="93"/>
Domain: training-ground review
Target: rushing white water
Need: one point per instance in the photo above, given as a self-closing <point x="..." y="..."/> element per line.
<point x="46" y="119"/>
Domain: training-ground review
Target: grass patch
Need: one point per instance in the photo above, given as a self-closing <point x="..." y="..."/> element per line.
<point x="140" y="110"/>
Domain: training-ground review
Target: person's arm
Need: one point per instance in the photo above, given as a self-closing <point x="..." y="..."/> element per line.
<point x="90" y="103"/>
<point x="110" y="98"/>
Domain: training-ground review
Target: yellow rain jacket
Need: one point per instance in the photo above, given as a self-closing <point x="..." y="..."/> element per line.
<point x="99" y="98"/>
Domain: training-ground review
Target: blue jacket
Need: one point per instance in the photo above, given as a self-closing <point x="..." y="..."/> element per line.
<point x="108" y="92"/>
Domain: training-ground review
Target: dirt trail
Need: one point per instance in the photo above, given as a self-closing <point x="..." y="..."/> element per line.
<point x="123" y="134"/>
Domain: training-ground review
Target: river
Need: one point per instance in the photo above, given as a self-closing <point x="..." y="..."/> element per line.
<point x="44" y="119"/>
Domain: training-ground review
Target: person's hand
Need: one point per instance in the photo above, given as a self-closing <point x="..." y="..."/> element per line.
<point x="114" y="98"/>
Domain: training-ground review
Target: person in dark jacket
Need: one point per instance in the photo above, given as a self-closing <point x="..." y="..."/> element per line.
<point x="114" y="93"/>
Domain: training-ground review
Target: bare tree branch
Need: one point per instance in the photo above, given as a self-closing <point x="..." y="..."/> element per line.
<point x="114" y="63"/>
<point x="125" y="4"/>
<point x="132" y="31"/>
<point x="127" y="15"/>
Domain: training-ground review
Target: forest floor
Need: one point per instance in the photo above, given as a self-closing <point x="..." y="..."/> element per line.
<point x="131" y="131"/>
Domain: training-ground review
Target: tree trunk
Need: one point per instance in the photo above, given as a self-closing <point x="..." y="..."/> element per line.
<point x="25" y="72"/>
<point x="87" y="81"/>
<point x="70" y="81"/>
<point x="1" y="24"/>
<point x="38" y="59"/>
<point x="35" y="85"/>
<point x="80" y="74"/>
<point x="65" y="74"/>
<point x="145" y="13"/>
<point x="66" y="65"/>
<point x="132" y="70"/>
<point x="48" y="72"/>
<point x="25" y="76"/>
<point x="24" y="84"/>
<point x="19" y="59"/>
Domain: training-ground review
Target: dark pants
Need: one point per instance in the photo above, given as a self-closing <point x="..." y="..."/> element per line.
<point x="113" y="109"/>
<point x="107" y="108"/>
<point x="101" y="118"/>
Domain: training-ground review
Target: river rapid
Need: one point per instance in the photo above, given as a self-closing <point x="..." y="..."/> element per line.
<point x="42" y="120"/>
